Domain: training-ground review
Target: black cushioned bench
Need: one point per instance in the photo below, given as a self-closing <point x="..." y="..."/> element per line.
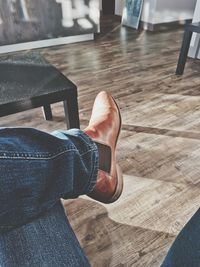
<point x="28" y="81"/>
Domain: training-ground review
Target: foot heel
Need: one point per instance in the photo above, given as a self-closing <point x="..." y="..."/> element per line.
<point x="120" y="185"/>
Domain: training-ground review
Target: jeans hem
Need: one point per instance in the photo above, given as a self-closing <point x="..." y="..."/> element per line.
<point x="95" y="166"/>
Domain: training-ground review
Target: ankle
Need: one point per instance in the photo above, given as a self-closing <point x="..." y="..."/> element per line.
<point x="91" y="132"/>
<point x="104" y="157"/>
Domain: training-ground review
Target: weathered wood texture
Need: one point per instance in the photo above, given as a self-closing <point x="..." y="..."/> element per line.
<point x="159" y="148"/>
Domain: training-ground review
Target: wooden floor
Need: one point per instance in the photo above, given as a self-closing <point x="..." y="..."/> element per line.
<point x="159" y="147"/>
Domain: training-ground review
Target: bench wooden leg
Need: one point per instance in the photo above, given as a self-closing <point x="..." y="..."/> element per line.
<point x="71" y="111"/>
<point x="47" y="112"/>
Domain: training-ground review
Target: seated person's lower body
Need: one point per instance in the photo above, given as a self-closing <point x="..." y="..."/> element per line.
<point x="38" y="169"/>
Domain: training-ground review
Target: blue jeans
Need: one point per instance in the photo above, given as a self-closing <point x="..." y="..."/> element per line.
<point x="37" y="169"/>
<point x="185" y="251"/>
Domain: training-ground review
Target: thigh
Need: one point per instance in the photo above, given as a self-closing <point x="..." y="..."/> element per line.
<point x="46" y="241"/>
<point x="185" y="251"/>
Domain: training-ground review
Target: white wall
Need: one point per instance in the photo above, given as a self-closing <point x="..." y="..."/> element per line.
<point x="174" y="10"/>
<point x="119" y="6"/>
<point x="196" y="37"/>
<point x="147" y="12"/>
<point x="100" y="4"/>
<point x="163" y="11"/>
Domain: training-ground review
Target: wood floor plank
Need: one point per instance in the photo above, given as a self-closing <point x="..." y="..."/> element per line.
<point x="161" y="157"/>
<point x="138" y="229"/>
<point x="107" y="242"/>
<point x="168" y="111"/>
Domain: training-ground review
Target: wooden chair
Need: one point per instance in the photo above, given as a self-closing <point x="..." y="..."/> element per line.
<point x="189" y="29"/>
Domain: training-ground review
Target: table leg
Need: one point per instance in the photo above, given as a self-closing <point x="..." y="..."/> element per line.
<point x="47" y="112"/>
<point x="184" y="52"/>
<point x="71" y="111"/>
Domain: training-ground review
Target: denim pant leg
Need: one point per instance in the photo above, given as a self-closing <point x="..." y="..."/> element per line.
<point x="47" y="241"/>
<point x="185" y="251"/>
<point x="37" y="169"/>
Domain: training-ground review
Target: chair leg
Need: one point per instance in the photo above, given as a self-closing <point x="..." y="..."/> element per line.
<point x="71" y="111"/>
<point x="184" y="52"/>
<point x="47" y="112"/>
<point x="197" y="51"/>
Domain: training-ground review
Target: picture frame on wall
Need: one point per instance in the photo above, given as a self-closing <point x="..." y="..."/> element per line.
<point x="28" y="21"/>
<point x="131" y="13"/>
